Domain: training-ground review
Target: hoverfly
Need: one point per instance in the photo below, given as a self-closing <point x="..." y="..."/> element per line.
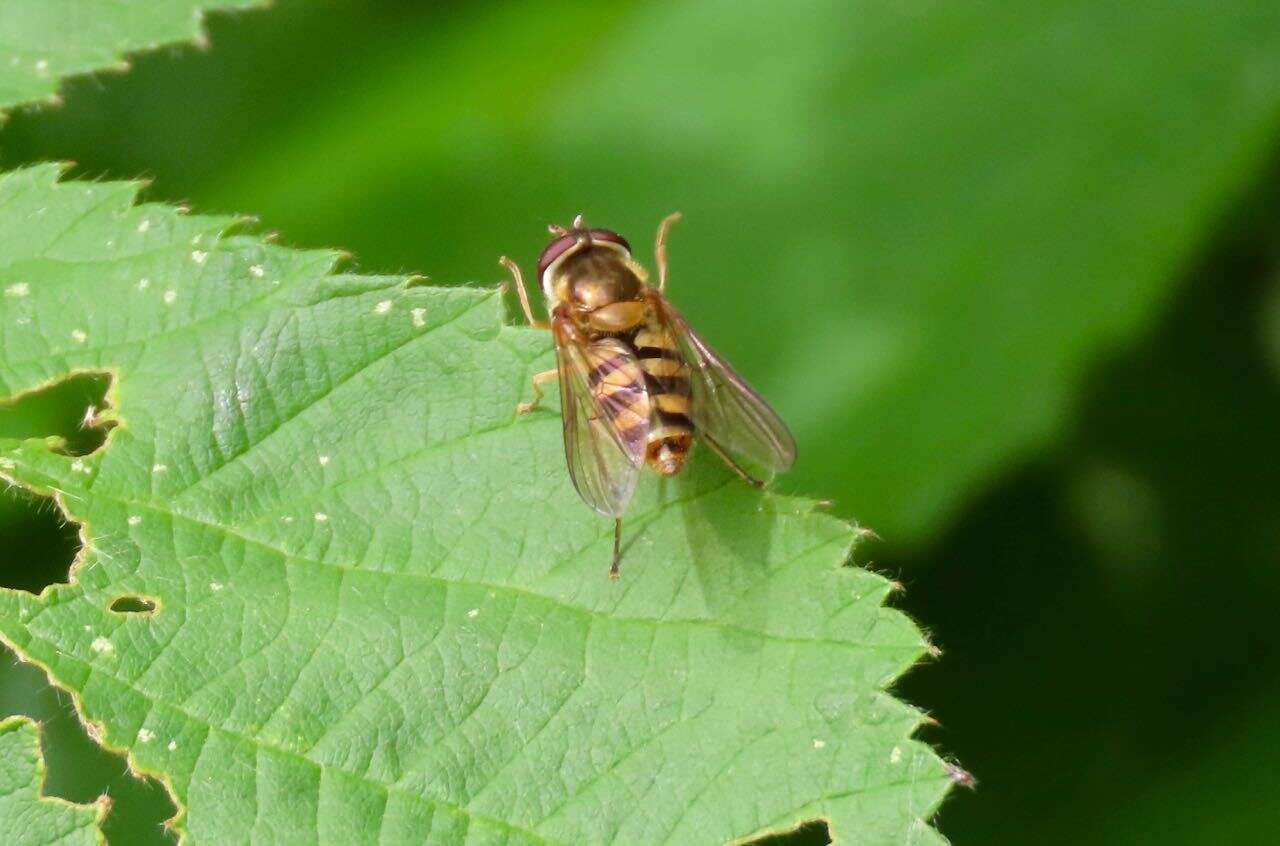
<point x="637" y="385"/>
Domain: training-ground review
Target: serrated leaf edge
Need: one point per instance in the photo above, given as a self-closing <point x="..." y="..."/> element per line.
<point x="99" y="732"/>
<point x="195" y="37"/>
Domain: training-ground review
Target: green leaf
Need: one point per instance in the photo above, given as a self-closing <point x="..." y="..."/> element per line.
<point x="943" y="212"/>
<point x="42" y="41"/>
<point x="380" y="609"/>
<point x="25" y="815"/>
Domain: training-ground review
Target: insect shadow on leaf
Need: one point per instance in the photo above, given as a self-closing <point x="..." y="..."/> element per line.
<point x="730" y="544"/>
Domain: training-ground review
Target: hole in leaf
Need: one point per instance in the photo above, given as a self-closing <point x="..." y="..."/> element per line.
<point x="40" y="544"/>
<point x="73" y="409"/>
<point x="812" y="833"/>
<point x="77" y="768"/>
<point x="38" y="540"/>
<point x="133" y="604"/>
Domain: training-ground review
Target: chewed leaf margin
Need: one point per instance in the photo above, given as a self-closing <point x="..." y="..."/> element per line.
<point x="21" y="738"/>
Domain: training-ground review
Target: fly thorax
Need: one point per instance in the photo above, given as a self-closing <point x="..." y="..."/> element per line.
<point x="601" y="288"/>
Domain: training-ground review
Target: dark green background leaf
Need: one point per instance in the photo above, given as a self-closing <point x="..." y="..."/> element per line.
<point x="42" y="41"/>
<point x="914" y="226"/>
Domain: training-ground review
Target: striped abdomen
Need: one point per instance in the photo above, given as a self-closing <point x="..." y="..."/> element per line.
<point x="620" y="395"/>
<point x="667" y="378"/>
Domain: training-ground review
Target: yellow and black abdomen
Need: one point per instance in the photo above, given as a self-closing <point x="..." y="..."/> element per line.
<point x="667" y="378"/>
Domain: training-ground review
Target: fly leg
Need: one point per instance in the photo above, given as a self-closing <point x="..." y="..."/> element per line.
<point x="733" y="465"/>
<point x="617" y="548"/>
<point x="514" y="269"/>
<point x="660" y="248"/>
<point x="547" y="375"/>
<point x="537" y="381"/>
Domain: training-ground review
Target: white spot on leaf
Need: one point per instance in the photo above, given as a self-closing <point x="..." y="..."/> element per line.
<point x="144" y="225"/>
<point x="896" y="755"/>
<point x="419" y="317"/>
<point x="324" y="460"/>
<point x="134" y="519"/>
<point x="321" y="517"/>
<point x="18" y="289"/>
<point x="102" y="646"/>
<point x="258" y="270"/>
<point x="382" y="307"/>
<point x="79" y="336"/>
<point x="198" y="256"/>
<point x="473" y="613"/>
<point x="143" y="283"/>
<point x="819" y="744"/>
<point x="215" y="586"/>
<point x="146" y="735"/>
<point x="169" y="296"/>
<point x="159" y="468"/>
<point x="173" y="744"/>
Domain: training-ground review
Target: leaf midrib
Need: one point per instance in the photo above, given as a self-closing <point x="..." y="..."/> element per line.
<point x="390" y="789"/>
<point x="294" y="558"/>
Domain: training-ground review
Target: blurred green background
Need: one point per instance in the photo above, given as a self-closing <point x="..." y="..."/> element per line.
<point x="1011" y="271"/>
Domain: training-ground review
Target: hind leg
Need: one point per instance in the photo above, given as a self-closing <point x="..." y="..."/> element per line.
<point x="733" y="465"/>
<point x="617" y="549"/>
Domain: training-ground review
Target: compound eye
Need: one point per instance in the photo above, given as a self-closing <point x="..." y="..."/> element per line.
<point x="567" y="241"/>
<point x="554" y="250"/>
<point x="611" y="237"/>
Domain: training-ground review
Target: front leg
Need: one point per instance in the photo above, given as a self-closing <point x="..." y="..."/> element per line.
<point x="660" y="248"/>
<point x="518" y="277"/>
<point x="537" y="381"/>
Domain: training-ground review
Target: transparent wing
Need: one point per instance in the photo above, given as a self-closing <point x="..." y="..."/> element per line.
<point x="724" y="407"/>
<point x="605" y="407"/>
